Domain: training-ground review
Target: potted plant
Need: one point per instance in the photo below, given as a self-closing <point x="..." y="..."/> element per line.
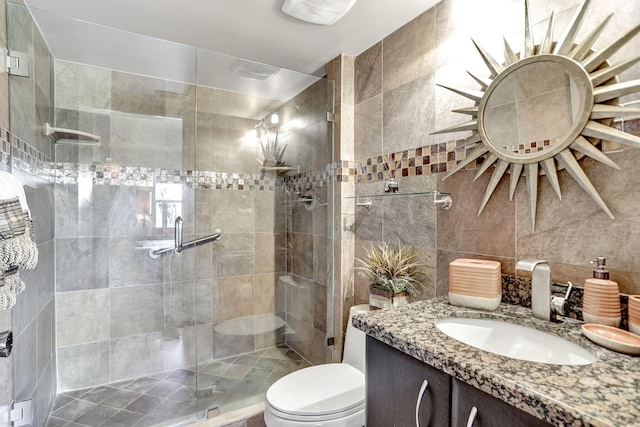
<point x="272" y="153"/>
<point x="394" y="274"/>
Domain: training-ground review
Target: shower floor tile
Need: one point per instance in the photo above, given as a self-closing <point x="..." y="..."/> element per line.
<point x="167" y="398"/>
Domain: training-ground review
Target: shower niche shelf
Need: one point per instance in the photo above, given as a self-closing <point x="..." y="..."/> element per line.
<point x="280" y="169"/>
<point x="70" y="136"/>
<point x="443" y="199"/>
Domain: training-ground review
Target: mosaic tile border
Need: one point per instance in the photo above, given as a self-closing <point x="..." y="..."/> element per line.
<point x="313" y="179"/>
<point x="430" y="159"/>
<point x="22" y="156"/>
<point x="112" y="174"/>
<point x="423" y="160"/>
<point x="5" y="146"/>
<point x="533" y="146"/>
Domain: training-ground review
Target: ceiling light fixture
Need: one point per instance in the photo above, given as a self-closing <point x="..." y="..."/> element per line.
<point x="322" y="12"/>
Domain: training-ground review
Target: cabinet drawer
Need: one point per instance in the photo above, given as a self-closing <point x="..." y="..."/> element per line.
<point x="394" y="380"/>
<point x="491" y="412"/>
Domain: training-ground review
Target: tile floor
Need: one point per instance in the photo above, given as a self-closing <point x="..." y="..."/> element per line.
<point x="167" y="399"/>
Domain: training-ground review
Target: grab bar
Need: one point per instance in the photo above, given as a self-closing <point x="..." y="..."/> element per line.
<point x="157" y="253"/>
<point x="177" y="236"/>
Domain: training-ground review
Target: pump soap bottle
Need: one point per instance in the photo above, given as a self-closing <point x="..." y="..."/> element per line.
<point x="601" y="302"/>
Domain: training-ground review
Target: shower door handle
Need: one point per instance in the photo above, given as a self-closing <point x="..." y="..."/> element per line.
<point x="177" y="236"/>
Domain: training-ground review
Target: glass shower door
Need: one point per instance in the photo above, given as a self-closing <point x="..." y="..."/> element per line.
<point x="262" y="133"/>
<point x="126" y="322"/>
<point x="116" y="211"/>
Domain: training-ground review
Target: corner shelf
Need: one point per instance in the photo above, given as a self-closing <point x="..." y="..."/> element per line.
<point x="443" y="199"/>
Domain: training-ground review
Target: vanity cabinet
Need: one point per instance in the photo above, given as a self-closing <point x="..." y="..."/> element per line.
<point x="394" y="381"/>
<point x="491" y="411"/>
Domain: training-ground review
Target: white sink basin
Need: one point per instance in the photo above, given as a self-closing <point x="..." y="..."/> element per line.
<point x="515" y="341"/>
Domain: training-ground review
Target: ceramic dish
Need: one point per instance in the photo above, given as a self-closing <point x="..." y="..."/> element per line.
<point x="612" y="338"/>
<point x="602" y="320"/>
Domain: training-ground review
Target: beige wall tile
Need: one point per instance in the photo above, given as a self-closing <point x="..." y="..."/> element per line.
<point x="409" y="53"/>
<point x="347" y="92"/>
<point x="233" y="297"/>
<point x="320" y="260"/>
<point x="360" y="280"/>
<point x="458" y="20"/>
<point x="347" y="138"/>
<point x="408" y="116"/>
<point x="461" y="229"/>
<point x="429" y="259"/>
<point x="264" y="294"/>
<point x="265" y="253"/>
<point x="82" y="86"/>
<point x="368" y="73"/>
<point x="368" y="128"/>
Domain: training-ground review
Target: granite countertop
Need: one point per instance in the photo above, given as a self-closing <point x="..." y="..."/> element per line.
<point x="604" y="393"/>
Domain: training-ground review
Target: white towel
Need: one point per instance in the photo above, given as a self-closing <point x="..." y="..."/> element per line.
<point x="11" y="187"/>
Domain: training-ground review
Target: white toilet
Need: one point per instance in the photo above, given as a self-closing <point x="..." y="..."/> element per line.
<point x="330" y="395"/>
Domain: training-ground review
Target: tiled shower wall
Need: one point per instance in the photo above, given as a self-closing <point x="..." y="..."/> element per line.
<point x="398" y="106"/>
<point x="29" y="373"/>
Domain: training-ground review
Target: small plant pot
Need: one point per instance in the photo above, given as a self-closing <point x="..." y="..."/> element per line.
<point x="382" y="299"/>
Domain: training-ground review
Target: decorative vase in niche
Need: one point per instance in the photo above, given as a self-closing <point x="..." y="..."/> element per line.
<point x="382" y="298"/>
<point x="391" y="186"/>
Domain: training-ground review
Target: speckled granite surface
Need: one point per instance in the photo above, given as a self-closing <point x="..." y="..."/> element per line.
<point x="604" y="393"/>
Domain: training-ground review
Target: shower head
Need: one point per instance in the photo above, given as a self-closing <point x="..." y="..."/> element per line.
<point x="71" y="136"/>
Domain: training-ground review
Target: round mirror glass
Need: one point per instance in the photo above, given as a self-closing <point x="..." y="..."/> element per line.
<point x="536" y="109"/>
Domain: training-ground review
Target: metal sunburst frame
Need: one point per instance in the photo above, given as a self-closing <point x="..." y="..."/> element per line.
<point x="601" y="88"/>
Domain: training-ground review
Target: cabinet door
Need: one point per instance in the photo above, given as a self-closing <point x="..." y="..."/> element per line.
<point x="394" y="380"/>
<point x="490" y="410"/>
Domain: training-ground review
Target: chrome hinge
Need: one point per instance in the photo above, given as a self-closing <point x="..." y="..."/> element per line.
<point x="17" y="63"/>
<point x="331" y="117"/>
<point x="21" y="413"/>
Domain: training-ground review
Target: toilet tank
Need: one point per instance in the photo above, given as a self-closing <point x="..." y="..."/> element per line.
<point x="355" y="341"/>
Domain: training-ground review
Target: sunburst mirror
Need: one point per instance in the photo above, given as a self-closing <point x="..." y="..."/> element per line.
<point x="544" y="108"/>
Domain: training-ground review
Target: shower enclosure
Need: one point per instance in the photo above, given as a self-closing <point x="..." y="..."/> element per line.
<point x="185" y="139"/>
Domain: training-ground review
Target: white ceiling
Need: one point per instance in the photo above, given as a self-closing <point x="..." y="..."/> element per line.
<point x="252" y="29"/>
<point x="256" y="30"/>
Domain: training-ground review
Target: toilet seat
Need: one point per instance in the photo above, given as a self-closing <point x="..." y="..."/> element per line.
<point x="317" y="393"/>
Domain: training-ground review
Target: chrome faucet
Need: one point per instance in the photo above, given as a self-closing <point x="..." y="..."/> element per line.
<point x="540" y="286"/>
<point x="543" y="305"/>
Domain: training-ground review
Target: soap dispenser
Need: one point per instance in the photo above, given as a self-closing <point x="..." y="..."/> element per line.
<point x="601" y="301"/>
